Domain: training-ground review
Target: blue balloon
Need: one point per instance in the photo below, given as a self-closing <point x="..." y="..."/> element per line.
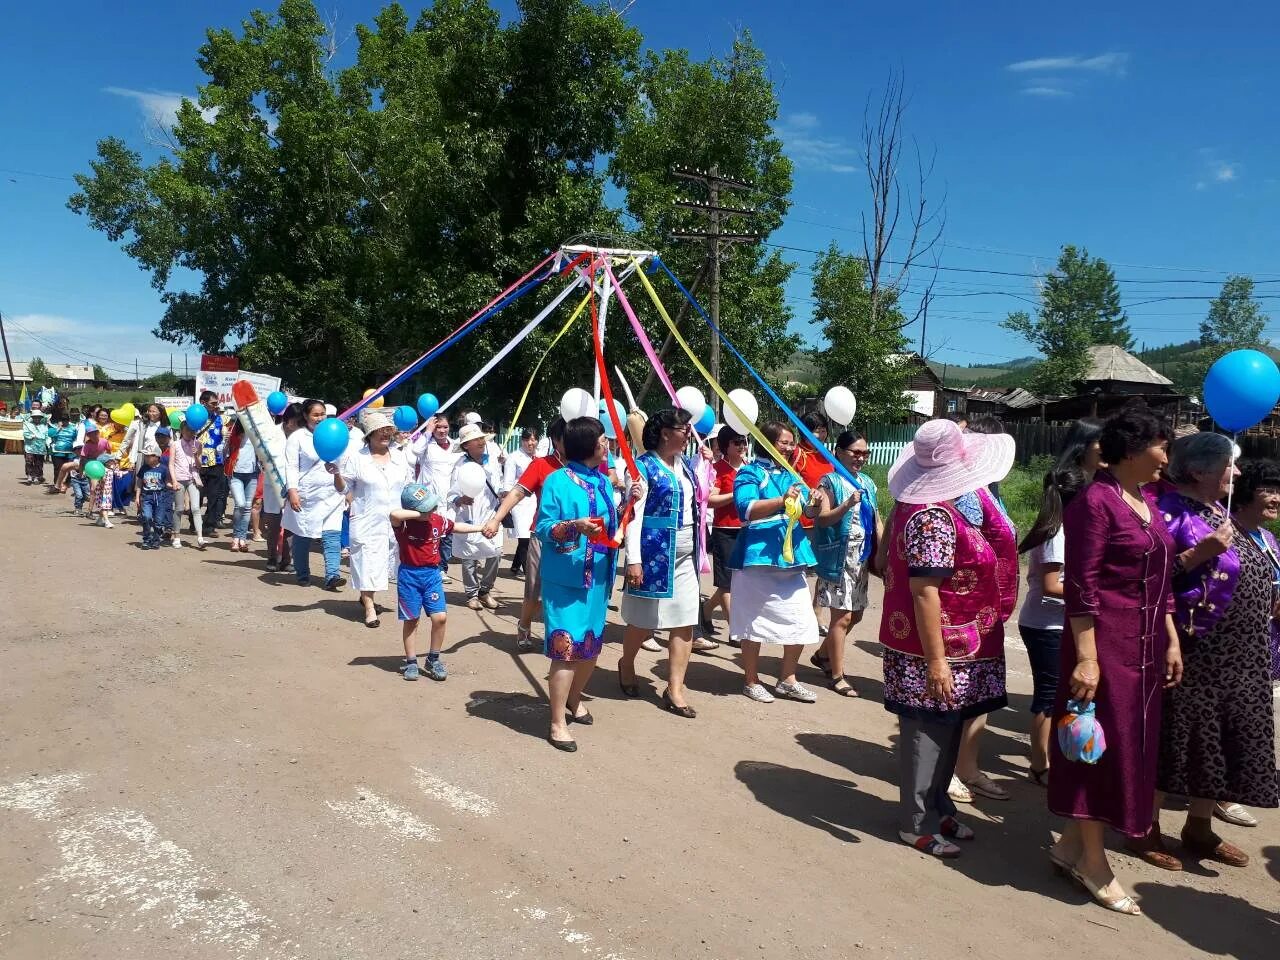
<point x="706" y="421"/>
<point x="1241" y="389"/>
<point x="405" y="418"/>
<point x="428" y="405"/>
<point x="330" y="438"/>
<point x="276" y="402"/>
<point x="196" y="416"/>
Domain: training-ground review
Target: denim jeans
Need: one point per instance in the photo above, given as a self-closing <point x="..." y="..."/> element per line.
<point x="446" y="554"/>
<point x="243" y="486"/>
<point x="121" y="490"/>
<point x="79" y="489"/>
<point x="164" y="520"/>
<point x="151" y="512"/>
<point x="331" y="543"/>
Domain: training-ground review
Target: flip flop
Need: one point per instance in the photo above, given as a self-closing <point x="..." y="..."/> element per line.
<point x="844" y="691"/>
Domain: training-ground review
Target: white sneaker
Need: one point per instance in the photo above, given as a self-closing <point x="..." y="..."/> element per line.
<point x="757" y="692"/>
<point x="177" y="544"/>
<point x="104" y="522"/>
<point x="651" y="645"/>
<point x="795" y="691"/>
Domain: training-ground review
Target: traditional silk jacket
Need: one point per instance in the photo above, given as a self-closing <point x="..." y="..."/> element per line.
<point x="1202" y="594"/>
<point x="663" y="508"/>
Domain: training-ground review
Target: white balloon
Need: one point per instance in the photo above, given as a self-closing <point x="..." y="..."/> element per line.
<point x="471" y="480"/>
<point x="575" y="403"/>
<point x="840" y="405"/>
<point x="692" y="400"/>
<point x="750" y="410"/>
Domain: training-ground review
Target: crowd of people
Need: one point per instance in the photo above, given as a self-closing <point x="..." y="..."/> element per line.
<point x="1149" y="615"/>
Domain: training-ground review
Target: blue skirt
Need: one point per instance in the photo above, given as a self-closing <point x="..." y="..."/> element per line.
<point x="575" y="616"/>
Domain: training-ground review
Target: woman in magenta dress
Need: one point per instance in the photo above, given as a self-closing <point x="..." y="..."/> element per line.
<point x="1123" y="649"/>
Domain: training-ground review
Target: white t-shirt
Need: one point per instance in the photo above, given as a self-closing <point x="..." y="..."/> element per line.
<point x="1038" y="611"/>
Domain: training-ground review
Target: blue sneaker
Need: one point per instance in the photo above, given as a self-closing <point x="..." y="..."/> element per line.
<point x="410" y="669"/>
<point x="436" y="670"/>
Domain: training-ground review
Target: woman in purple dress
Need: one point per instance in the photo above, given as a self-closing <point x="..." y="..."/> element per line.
<point x="1121" y="647"/>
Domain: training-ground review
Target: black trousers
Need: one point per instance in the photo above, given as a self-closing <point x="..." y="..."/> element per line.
<point x="216" y="487"/>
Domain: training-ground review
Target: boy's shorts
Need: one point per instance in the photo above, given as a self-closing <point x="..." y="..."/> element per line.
<point x="419" y="589"/>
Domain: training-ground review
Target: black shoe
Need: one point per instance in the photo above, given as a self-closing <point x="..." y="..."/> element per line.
<point x="568" y="746"/>
<point x="686" y="711"/>
<point x="334" y="584"/>
<point x="586" y="719"/>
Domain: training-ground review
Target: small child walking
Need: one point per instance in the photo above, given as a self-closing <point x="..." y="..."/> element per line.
<point x="164" y="438"/>
<point x="149" y="500"/>
<point x="419" y="530"/>
<point x="104" y="490"/>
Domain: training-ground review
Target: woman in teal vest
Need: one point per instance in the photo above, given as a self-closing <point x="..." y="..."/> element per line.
<point x="770" y="594"/>
<point x="576" y="518"/>
<point x="846" y="531"/>
<point x="662" y="557"/>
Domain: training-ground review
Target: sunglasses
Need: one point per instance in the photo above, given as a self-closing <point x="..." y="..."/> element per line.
<point x="860" y="454"/>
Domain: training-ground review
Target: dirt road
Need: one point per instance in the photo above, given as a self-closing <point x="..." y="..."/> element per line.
<point x="202" y="760"/>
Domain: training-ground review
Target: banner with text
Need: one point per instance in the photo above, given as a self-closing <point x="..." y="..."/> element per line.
<point x="220" y="382"/>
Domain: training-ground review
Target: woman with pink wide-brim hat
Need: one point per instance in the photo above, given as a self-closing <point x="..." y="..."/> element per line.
<point x="951" y="568"/>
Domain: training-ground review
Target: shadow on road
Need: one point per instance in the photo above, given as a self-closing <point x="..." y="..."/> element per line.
<point x="1216" y="923"/>
<point x="520" y="712"/>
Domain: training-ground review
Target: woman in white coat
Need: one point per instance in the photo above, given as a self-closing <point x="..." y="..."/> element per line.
<point x="141" y="432"/>
<point x="526" y="509"/>
<point x="374" y="476"/>
<point x="314" y="508"/>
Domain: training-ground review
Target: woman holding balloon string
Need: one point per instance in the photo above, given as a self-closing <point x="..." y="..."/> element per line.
<point x="314" y="508"/>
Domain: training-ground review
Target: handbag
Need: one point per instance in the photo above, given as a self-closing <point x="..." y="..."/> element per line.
<point x="1080" y="735"/>
<point x="508" y="522"/>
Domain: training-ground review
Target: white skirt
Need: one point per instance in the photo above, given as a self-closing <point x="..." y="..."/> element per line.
<point x="771" y="605"/>
<point x="372" y="563"/>
<point x="678" y="610"/>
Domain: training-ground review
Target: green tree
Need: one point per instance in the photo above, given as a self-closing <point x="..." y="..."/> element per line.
<point x="861" y="353"/>
<point x="703" y="113"/>
<point x="1235" y="320"/>
<point x="100" y="374"/>
<point x="340" y="221"/>
<point x="39" y="373"/>
<point x="1079" y="307"/>
<point x="162" y="381"/>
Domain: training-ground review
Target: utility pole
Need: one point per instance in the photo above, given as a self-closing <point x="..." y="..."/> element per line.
<point x="714" y="237"/>
<point x="924" y="322"/>
<point x="13" y="381"/>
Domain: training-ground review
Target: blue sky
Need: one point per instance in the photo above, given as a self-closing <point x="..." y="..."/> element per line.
<point x="1146" y="132"/>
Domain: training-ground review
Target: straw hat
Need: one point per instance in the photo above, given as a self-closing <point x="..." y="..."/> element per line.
<point x="472" y="431"/>
<point x="942" y="463"/>
<point x="374" y="418"/>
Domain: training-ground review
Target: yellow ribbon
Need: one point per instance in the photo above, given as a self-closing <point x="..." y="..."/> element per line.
<point x="719" y="390"/>
<point x="515" y="417"/>
<point x="793" y="509"/>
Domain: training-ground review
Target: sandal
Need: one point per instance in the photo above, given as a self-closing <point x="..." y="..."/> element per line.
<point x="843" y="688"/>
<point x="1039" y="777"/>
<point x="953" y="829"/>
<point x="1124" y="904"/>
<point x="984" y="786"/>
<point x="1061" y="867"/>
<point x="931" y="844"/>
<point x="822" y="664"/>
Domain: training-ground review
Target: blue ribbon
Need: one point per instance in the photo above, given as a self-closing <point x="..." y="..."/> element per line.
<point x="469" y="328"/>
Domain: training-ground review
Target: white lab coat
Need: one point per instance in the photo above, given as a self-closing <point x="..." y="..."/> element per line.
<point x="322" y="505"/>
<point x="375" y="489"/>
<point x="524" y="512"/>
<point x="433" y="465"/>
<point x="475" y="546"/>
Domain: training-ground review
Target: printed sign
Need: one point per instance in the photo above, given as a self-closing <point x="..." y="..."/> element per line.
<point x="220" y="382"/>
<point x="175" y="403"/>
<point x="218" y="363"/>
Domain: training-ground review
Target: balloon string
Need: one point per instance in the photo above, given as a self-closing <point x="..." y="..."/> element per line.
<point x="804" y="431"/>
<point x="752" y="429"/>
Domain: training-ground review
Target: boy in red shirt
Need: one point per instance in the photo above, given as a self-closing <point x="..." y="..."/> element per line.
<point x="419" y="530"/>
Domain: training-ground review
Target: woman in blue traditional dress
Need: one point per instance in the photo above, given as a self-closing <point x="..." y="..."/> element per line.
<point x="662" y="557"/>
<point x="576" y="521"/>
<point x="770" y="595"/>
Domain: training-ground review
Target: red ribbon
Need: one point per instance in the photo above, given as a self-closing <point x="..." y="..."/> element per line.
<point x="618" y="430"/>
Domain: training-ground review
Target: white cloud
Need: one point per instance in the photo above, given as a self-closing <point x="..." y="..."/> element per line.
<point x="159" y="107"/>
<point x="1214" y="170"/>
<point x="1226" y="172"/>
<point x="1046" y="91"/>
<point x="1108" y="63"/>
<point x="810" y="150"/>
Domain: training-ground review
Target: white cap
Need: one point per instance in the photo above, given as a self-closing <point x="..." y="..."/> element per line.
<point x="472" y="417"/>
<point x="330" y="410"/>
<point x="715" y="431"/>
